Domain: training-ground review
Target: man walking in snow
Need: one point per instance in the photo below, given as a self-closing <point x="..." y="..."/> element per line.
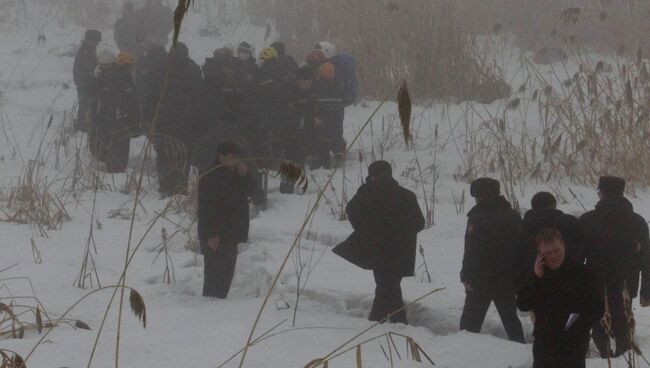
<point x="617" y="247"/>
<point x="386" y="219"/>
<point x="223" y="217"/>
<point x="561" y="293"/>
<point x="489" y="264"/>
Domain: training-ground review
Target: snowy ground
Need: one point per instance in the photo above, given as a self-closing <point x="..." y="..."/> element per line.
<point x="185" y="329"/>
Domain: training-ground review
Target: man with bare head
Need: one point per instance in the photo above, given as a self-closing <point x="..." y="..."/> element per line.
<point x="565" y="301"/>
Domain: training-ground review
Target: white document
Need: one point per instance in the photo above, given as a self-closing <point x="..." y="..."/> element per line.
<point x="572" y="319"/>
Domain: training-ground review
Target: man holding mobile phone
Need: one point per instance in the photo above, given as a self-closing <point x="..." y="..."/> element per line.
<point x="565" y="301"/>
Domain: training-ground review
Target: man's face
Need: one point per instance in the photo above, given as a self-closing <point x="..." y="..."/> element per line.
<point x="229" y="160"/>
<point x="553" y="252"/>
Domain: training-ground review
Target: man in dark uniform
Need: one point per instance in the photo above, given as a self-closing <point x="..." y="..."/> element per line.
<point x="223" y="217"/>
<point x="287" y="61"/>
<point x="617" y="247"/>
<point x="386" y="219"/>
<point x="489" y="264"/>
<point x="545" y="215"/>
<point x="565" y="301"/>
<point x="83" y="72"/>
<point x="298" y="130"/>
<point x="116" y="113"/>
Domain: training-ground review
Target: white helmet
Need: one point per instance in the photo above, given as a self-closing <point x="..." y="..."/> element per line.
<point x="105" y="56"/>
<point x="327" y="48"/>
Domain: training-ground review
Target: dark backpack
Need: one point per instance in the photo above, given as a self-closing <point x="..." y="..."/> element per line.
<point x="346" y="75"/>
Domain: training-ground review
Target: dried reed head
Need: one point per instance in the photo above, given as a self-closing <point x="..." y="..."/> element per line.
<point x="290" y="171"/>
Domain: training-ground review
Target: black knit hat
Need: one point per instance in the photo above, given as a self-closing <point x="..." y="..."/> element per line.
<point x="484" y="188"/>
<point x="611" y="186"/>
<point x="543" y="200"/>
<point x="229" y="148"/>
<point x="280" y="47"/>
<point x="93" y="35"/>
<point x="380" y="169"/>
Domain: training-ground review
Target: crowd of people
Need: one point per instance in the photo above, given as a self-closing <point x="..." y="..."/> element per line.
<point x="577" y="276"/>
<point x="271" y="106"/>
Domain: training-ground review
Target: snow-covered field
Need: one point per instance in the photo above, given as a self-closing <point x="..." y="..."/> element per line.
<point x="183" y="328"/>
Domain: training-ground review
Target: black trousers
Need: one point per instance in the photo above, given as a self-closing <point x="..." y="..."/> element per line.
<point x="219" y="269"/>
<point x="476" y="307"/>
<point x="388" y="296"/>
<point x="551" y="353"/>
<point x="619" y="326"/>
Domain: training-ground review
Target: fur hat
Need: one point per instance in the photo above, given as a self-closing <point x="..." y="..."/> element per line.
<point x="280" y="47"/>
<point x="611" y="186"/>
<point x="381" y="169"/>
<point x="485" y="188"/>
<point x="543" y="200"/>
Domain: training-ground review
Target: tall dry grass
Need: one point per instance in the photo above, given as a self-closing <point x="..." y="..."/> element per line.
<point x="421" y="41"/>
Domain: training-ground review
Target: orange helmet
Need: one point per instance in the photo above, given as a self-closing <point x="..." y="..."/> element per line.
<point x="125" y="58"/>
<point x="327" y="71"/>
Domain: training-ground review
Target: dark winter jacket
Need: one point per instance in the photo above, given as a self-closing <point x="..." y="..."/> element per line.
<point x="273" y="83"/>
<point x="150" y="77"/>
<point x="223" y="206"/>
<point x="386" y="219"/>
<point x="288" y="62"/>
<point x="126" y="31"/>
<point x="84" y="66"/>
<point x="491" y="242"/>
<point x="238" y="97"/>
<point x="302" y="109"/>
<point x="537" y="220"/>
<point x="116" y="108"/>
<point x="553" y="299"/>
<point x="330" y="100"/>
<point x="206" y="152"/>
<point x="617" y="246"/>
<point x="184" y="98"/>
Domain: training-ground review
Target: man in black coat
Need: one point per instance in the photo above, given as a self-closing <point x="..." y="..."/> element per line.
<point x="149" y="78"/>
<point x="287" y="61"/>
<point x="489" y="264"/>
<point x="565" y="301"/>
<point x="127" y="29"/>
<point x="116" y="113"/>
<point x="180" y="115"/>
<point x="223" y="218"/>
<point x="272" y="83"/>
<point x="617" y="247"/>
<point x="545" y="215"/>
<point x="386" y="219"/>
<point x="83" y="72"/>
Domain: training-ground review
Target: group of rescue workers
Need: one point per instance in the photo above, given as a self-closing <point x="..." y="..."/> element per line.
<point x="273" y="107"/>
